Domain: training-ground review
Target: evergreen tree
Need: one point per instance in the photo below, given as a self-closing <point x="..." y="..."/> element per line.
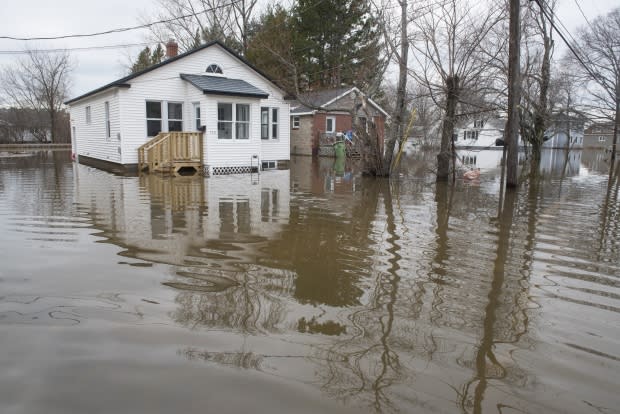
<point x="338" y="42"/>
<point x="146" y="58"/>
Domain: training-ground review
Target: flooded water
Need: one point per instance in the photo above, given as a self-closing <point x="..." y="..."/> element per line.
<point x="309" y="290"/>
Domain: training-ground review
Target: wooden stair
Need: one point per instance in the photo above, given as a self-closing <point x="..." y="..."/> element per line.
<point x="170" y="152"/>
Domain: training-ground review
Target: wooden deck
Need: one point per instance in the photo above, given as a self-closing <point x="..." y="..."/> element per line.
<point x="169" y="152"/>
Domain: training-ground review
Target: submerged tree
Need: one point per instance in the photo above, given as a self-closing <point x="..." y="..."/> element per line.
<point x="454" y="55"/>
<point x="535" y="110"/>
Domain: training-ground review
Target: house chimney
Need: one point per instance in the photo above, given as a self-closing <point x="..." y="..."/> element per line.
<point x="172" y="49"/>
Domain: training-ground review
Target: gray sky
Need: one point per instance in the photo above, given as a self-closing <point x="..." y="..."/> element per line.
<point x="30" y="18"/>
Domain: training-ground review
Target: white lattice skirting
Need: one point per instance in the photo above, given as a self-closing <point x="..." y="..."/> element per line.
<point x="230" y="170"/>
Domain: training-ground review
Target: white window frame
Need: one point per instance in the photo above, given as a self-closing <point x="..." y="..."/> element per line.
<point x="233" y="122"/>
<point x="106" y="110"/>
<point x="161" y="119"/>
<point x="275" y="120"/>
<point x="88" y="115"/>
<point x="471" y="135"/>
<point x="265" y="124"/>
<point x="601" y="138"/>
<point x="214" y="69"/>
<point x="333" y="119"/>
<point x="296" y="122"/>
<point x="168" y="119"/>
<point x="245" y="123"/>
<point x="478" y="123"/>
<point x="196" y="113"/>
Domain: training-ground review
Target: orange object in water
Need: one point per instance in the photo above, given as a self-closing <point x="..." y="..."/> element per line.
<point x="472" y="174"/>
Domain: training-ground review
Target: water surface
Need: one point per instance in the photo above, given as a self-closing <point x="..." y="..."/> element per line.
<point x="312" y="289"/>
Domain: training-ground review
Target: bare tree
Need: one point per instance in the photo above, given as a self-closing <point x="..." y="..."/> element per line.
<point x="39" y="81"/>
<point x="596" y="58"/>
<point x="452" y="59"/>
<point x="537" y="52"/>
<point x="192" y="22"/>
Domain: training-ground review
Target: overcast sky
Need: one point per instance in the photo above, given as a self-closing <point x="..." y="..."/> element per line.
<point x="93" y="68"/>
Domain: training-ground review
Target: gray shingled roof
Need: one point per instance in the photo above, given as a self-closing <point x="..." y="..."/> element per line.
<point x="122" y="82"/>
<point x="316" y="99"/>
<point x="217" y="85"/>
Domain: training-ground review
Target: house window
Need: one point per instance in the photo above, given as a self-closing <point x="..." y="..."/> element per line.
<point x="295" y="122"/>
<point x="214" y="68"/>
<point x="471" y="135"/>
<point x="107" y="119"/>
<point x="601" y="139"/>
<point x="197" y="123"/>
<point x="274" y="123"/>
<point x="224" y="121"/>
<point x="242" y="121"/>
<point x="269" y="165"/>
<point x="88" y="115"/>
<point x="153" y="118"/>
<point x="478" y="123"/>
<point x="175" y="116"/>
<point x="264" y="123"/>
<point x="229" y="127"/>
<point x="330" y="125"/>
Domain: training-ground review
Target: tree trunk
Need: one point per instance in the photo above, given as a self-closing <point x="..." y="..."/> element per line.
<point x="616" y="121"/>
<point x="542" y="111"/>
<point x="447" y="130"/>
<point x="52" y="113"/>
<point x="397" y="128"/>
<point x="514" y="89"/>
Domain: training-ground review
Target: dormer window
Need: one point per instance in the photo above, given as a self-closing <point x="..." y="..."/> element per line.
<point x="478" y="123"/>
<point x="213" y="68"/>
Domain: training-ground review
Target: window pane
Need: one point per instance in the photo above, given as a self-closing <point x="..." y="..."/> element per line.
<point x="224" y="112"/>
<point x="175" y="125"/>
<point x="243" y="131"/>
<point x="153" y="127"/>
<point x="224" y="130"/>
<point x="264" y="123"/>
<point x="330" y="125"/>
<point x="175" y="110"/>
<point x="243" y="113"/>
<point x="274" y="123"/>
<point x="153" y="109"/>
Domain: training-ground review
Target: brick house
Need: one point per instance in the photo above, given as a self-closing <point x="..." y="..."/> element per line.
<point x="322" y="114"/>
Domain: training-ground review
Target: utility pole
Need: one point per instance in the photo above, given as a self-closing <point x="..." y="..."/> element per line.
<point x="514" y="95"/>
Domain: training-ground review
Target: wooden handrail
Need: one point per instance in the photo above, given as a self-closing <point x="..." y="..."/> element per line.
<point x="167" y="148"/>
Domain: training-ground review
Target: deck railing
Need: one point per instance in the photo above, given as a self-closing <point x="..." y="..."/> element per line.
<point x="169" y="149"/>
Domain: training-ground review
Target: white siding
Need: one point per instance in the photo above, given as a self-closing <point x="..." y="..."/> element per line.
<point x="164" y="84"/>
<point x="90" y="139"/>
<point x="231" y="152"/>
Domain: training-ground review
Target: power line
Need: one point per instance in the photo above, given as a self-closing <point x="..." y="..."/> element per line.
<point x="71" y="49"/>
<point x="122" y="29"/>
<point x="566" y="42"/>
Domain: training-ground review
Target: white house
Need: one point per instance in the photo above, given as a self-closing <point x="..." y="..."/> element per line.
<point x="239" y="115"/>
<point x="484" y="133"/>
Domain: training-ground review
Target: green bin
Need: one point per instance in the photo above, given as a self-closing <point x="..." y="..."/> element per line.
<point x="339" y="149"/>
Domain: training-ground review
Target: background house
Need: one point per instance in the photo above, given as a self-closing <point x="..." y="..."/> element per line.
<point x="327" y="112"/>
<point x="240" y="116"/>
<point x="600" y="135"/>
<point x="564" y="131"/>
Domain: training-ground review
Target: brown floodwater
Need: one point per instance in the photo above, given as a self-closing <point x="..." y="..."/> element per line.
<point x="309" y="290"/>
